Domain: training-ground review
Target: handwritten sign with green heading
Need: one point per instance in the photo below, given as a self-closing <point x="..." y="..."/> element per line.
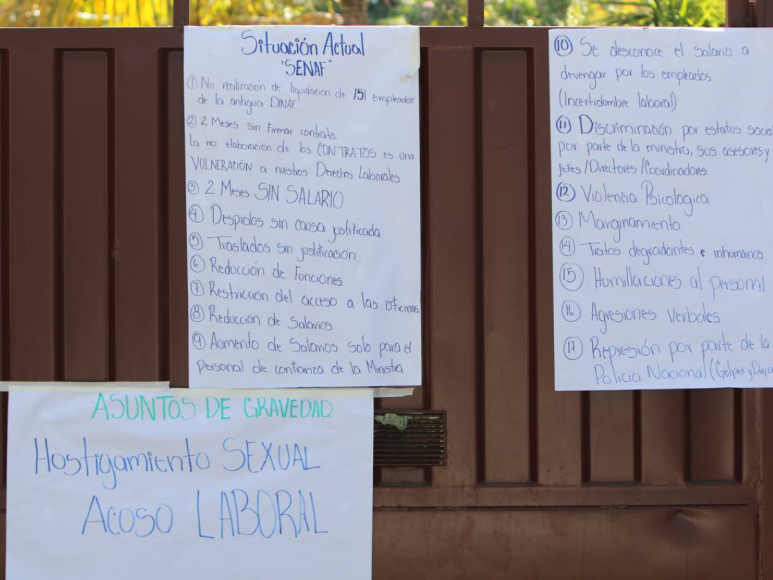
<point x="181" y="487"/>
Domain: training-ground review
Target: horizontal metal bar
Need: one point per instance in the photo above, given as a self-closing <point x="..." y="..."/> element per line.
<point x="171" y="38"/>
<point x="528" y="495"/>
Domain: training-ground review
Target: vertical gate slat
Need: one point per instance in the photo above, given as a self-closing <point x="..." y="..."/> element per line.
<point x="712" y="435"/>
<point x="750" y="436"/>
<point x="611" y="442"/>
<point x="177" y="235"/>
<point x="559" y="417"/>
<point x="85" y="196"/>
<point x="766" y="491"/>
<point x="5" y="343"/>
<point x="505" y="266"/>
<point x="451" y="239"/>
<point x="137" y="200"/>
<point x="33" y="214"/>
<point x="4" y="305"/>
<point x="663" y="437"/>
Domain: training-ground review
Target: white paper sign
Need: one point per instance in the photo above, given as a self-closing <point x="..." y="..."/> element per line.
<point x="130" y="485"/>
<point x="302" y="165"/>
<point x="662" y="167"/>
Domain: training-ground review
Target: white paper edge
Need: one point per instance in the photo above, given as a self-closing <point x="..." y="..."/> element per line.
<point x="311" y="393"/>
<point x="76" y="387"/>
<point x="303" y="392"/>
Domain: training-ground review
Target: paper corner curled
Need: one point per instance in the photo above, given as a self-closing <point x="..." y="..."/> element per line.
<point x="415" y="52"/>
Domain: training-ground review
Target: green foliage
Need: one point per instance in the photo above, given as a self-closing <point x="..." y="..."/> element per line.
<point x="85" y="12"/>
<point x="512" y="12"/>
<point x="707" y="13"/>
<point x="214" y="12"/>
<point x="454" y="12"/>
<point x="159" y="12"/>
<point x="416" y="12"/>
<point x="552" y="12"/>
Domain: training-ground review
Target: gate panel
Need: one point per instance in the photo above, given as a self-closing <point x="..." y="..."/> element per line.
<point x="560" y="418"/>
<point x="85" y="136"/>
<point x="452" y="254"/>
<point x="505" y="270"/>
<point x="176" y="277"/>
<point x="139" y="251"/>
<point x="33" y="220"/>
<point x="663" y="440"/>
<point x="714" y="450"/>
<point x="93" y="285"/>
<point x="4" y="229"/>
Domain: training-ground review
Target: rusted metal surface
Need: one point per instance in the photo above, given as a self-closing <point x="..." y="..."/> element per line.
<point x="93" y="287"/>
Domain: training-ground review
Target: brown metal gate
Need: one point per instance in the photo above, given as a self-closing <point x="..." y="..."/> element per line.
<point x="538" y="484"/>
